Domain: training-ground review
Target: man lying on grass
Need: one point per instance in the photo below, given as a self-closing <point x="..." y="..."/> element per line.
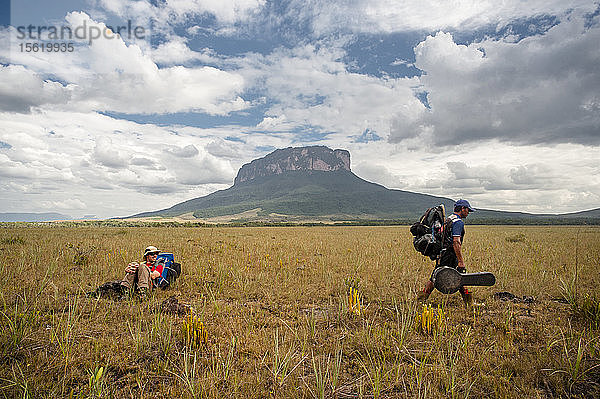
<point x="158" y="270"/>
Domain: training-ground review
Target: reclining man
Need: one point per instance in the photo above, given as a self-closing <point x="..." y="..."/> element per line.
<point x="140" y="276"/>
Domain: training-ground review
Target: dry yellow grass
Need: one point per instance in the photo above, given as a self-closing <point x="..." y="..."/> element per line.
<point x="274" y="306"/>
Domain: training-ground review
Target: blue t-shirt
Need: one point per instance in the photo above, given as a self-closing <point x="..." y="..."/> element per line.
<point x="453" y="227"/>
<point x="458" y="227"/>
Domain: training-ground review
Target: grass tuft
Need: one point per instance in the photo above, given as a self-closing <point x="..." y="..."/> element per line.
<point x="14" y="240"/>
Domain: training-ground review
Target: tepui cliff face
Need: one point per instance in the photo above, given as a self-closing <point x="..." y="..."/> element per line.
<point x="316" y="158"/>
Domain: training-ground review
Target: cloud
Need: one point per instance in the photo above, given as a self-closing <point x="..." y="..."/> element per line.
<point x="107" y="154"/>
<point x="22" y="89"/>
<point x="309" y="86"/>
<point x="317" y="18"/>
<point x="227" y="11"/>
<point x="207" y="170"/>
<point x="387" y="16"/>
<point x="110" y="75"/>
<point x="68" y="204"/>
<point x="543" y="89"/>
<point x="534" y="176"/>
<point x="28" y="157"/>
<point x="518" y="182"/>
<point x="380" y="173"/>
<point x="224" y="148"/>
<point x="54" y="168"/>
<point x="145" y="162"/>
<point x="493" y="177"/>
<point x="366" y="136"/>
<point x="186" y="152"/>
<point x="178" y="11"/>
<point x="177" y="52"/>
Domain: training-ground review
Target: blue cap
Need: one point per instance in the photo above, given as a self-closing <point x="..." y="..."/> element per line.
<point x="465" y="203"/>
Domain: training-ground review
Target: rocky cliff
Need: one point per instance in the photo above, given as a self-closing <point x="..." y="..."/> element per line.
<point x="316" y="158"/>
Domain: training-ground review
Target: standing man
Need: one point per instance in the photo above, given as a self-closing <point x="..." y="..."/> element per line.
<point x="451" y="255"/>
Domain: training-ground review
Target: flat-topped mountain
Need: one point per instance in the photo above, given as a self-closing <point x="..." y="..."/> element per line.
<point x="307" y="159"/>
<point x="303" y="182"/>
<point x="317" y="183"/>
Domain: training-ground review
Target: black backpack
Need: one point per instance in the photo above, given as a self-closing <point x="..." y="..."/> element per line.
<point x="428" y="232"/>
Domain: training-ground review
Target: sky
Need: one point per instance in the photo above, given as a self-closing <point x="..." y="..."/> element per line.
<point x="495" y="102"/>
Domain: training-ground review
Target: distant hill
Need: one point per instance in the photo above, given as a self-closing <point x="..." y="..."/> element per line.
<point x="591" y="214"/>
<point x="483" y="216"/>
<point x="317" y="183"/>
<point x="32" y="217"/>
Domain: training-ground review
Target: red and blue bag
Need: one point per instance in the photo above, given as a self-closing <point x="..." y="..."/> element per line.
<point x="168" y="268"/>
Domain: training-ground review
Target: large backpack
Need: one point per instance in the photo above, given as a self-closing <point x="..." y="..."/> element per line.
<point x="428" y="232"/>
<point x="170" y="272"/>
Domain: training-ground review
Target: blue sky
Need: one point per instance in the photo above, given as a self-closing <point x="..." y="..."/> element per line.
<point x="493" y="102"/>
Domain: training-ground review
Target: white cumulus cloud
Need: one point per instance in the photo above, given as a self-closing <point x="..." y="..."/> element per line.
<point x="110" y="75"/>
<point x="22" y="89"/>
<point x="539" y="90"/>
<point x="310" y="86"/>
<point x="178" y="11"/>
<point x="386" y="16"/>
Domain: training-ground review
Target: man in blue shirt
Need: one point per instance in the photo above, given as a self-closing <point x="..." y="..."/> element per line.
<point x="451" y="256"/>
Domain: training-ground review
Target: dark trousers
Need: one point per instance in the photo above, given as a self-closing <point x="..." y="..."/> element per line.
<point x="448" y="258"/>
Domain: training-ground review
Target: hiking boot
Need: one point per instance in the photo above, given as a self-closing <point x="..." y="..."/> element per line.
<point x="423" y="295"/>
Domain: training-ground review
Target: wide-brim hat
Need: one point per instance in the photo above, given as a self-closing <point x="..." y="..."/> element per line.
<point x="151" y="250"/>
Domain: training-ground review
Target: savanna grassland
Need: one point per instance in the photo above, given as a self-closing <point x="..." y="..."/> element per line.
<point x="278" y="322"/>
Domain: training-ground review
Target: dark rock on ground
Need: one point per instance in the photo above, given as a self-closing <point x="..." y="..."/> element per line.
<point x="110" y="289"/>
<point x="507" y="296"/>
<point x="173" y="306"/>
